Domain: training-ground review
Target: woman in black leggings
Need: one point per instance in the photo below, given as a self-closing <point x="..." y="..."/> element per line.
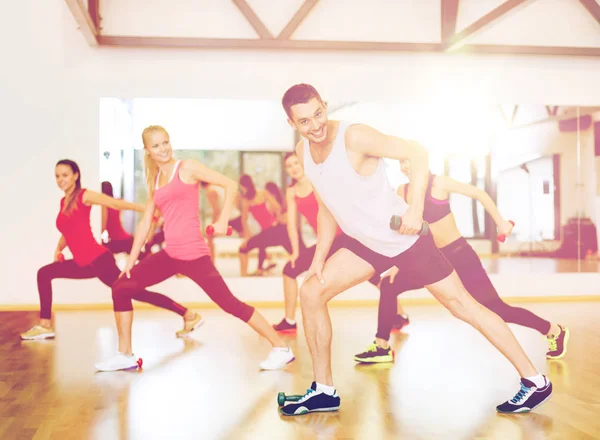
<point x="467" y="264"/>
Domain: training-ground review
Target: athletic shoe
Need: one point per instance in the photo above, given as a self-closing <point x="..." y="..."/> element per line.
<point x="190" y="326"/>
<point x="558" y="344"/>
<point x="278" y="358"/>
<point x="313" y="401"/>
<point x="38" y="332"/>
<point x="400" y="322"/>
<point x="285" y="327"/>
<point x="527" y="398"/>
<point x="375" y="354"/>
<point x="118" y="362"/>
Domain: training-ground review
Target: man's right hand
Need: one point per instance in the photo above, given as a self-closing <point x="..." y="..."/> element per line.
<point x="316" y="268"/>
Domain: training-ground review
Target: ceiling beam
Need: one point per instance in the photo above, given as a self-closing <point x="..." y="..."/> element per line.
<point x="358" y="46"/>
<point x="253" y="19"/>
<point x="84" y="21"/>
<point x="593" y="8"/>
<point x="449" y="15"/>
<point x="94" y="10"/>
<point x="295" y="21"/>
<point x="459" y="38"/>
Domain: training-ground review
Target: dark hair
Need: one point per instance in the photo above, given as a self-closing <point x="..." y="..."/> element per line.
<point x="70" y="202"/>
<point x="285" y="158"/>
<point x="204" y="184"/>
<point x="247" y="182"/>
<point x="298" y="94"/>
<point x="274" y="189"/>
<point x="107" y="188"/>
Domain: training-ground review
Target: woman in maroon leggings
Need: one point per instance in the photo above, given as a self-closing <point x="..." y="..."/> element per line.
<point x="90" y="259"/>
<point x="174" y="188"/>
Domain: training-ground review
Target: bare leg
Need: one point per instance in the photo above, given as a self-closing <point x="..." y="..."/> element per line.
<point x="452" y="294"/>
<point x="290" y="292"/>
<point x="260" y="325"/>
<point x="124" y="323"/>
<point x="342" y="271"/>
<point x="243" y="264"/>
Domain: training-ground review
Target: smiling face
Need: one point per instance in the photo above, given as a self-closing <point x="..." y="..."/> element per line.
<point x="66" y="179"/>
<point x="293" y="167"/>
<point x="158" y="145"/>
<point x="310" y="119"/>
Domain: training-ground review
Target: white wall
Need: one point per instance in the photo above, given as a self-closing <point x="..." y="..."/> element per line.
<point x="54" y="80"/>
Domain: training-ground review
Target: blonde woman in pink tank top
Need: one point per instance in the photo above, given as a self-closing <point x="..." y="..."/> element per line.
<point x="174" y="190"/>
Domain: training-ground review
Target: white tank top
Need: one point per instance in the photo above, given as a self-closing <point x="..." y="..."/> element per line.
<point x="361" y="205"/>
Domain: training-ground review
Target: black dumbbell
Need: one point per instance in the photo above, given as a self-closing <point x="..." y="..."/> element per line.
<point x="396" y="222"/>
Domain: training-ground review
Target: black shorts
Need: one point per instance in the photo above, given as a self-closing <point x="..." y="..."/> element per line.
<point x="420" y="265"/>
<point x="306" y="256"/>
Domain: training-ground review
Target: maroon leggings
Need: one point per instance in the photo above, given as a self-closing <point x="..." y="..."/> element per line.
<point x="105" y="269"/>
<point x="158" y="267"/>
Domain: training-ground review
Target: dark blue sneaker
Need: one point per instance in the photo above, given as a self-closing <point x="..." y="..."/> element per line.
<point x="528" y="397"/>
<point x="314" y="400"/>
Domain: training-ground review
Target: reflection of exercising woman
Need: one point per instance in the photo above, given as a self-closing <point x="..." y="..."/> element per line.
<point x="266" y="211"/>
<point x="119" y="240"/>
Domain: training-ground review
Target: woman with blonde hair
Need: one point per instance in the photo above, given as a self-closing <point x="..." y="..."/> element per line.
<point x="173" y="187"/>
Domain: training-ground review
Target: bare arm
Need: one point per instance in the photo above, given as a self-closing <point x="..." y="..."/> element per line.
<point x="213" y="199"/>
<point x="452" y="186"/>
<point x="62" y="243"/>
<point x="95" y="198"/>
<point x="368" y="141"/>
<point x="273" y="205"/>
<point x="104" y="218"/>
<point x="244" y="215"/>
<point x="327" y="227"/>
<point x="142" y="231"/>
<point x="201" y="172"/>
<point x="292" y="227"/>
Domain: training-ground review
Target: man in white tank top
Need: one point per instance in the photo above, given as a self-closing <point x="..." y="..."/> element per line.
<point x="344" y="163"/>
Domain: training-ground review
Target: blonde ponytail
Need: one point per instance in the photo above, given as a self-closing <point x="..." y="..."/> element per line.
<point x="151" y="169"/>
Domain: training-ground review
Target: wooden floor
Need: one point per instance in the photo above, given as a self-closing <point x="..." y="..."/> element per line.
<point x="444" y="384"/>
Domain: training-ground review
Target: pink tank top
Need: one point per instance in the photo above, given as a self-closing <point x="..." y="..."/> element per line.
<point x="262" y="215"/>
<point x="309" y="208"/>
<point x="179" y="204"/>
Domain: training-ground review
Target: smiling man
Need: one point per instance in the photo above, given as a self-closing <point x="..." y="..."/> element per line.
<point x="344" y="162"/>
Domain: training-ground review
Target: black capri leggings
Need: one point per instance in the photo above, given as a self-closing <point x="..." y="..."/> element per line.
<point x="274" y="236"/>
<point x="158" y="267"/>
<point x="468" y="266"/>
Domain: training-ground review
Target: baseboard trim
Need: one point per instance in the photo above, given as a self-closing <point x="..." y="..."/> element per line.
<point x="280" y="304"/>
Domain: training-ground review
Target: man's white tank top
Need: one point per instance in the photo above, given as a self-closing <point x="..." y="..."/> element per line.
<point x="361" y="205"/>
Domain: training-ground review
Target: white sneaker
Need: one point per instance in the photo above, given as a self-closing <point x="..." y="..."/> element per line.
<point x="37" y="332"/>
<point x="278" y="358"/>
<point x="119" y="362"/>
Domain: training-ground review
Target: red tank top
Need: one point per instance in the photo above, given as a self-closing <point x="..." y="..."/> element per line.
<point x="262" y="215"/>
<point x="179" y="203"/>
<point x="309" y="207"/>
<point x="114" y="227"/>
<point x="76" y="229"/>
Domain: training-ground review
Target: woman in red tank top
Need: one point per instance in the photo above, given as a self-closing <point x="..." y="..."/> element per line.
<point x="300" y="198"/>
<point x="174" y="188"/>
<point x="266" y="210"/>
<point x="90" y="259"/>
